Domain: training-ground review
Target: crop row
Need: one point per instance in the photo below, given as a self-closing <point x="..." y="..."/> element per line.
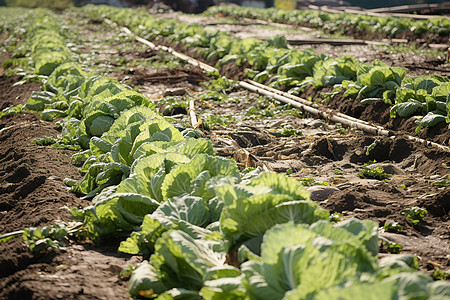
<point x="208" y="230"/>
<point x="340" y="22"/>
<point x="273" y="62"/>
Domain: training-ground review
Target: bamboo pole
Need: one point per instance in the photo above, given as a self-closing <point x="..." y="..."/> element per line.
<point x="170" y="50"/>
<point x="343" y="42"/>
<point x="20" y="125"/>
<point x="338" y="118"/>
<point x="370" y="13"/>
<point x="428" y="143"/>
<point x="407" y="9"/>
<point x="309" y="103"/>
<point x="317" y="112"/>
<point x="194" y="121"/>
<point x="12" y="234"/>
<point x="336" y="42"/>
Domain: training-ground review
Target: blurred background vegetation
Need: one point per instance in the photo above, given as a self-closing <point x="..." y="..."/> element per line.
<point x="52" y="4"/>
<point x="388" y="3"/>
<point x="62" y="4"/>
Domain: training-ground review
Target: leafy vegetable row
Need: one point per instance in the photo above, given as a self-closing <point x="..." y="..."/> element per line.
<point x="341" y="22"/>
<point x="47" y="50"/>
<point x="209" y="231"/>
<point x="272" y="62"/>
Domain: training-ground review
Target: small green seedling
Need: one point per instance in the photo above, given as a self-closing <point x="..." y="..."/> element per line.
<point x="11" y="110"/>
<point x="248" y="170"/>
<point x="126" y="272"/>
<point x="394" y="248"/>
<point x="287" y="132"/>
<point x="307" y="181"/>
<point x="374" y="173"/>
<point x="342" y="130"/>
<point x="45" y="141"/>
<point x="391" y="247"/>
<point x="415" y="214"/>
<point x="370" y="162"/>
<point x="441" y="183"/>
<point x="370" y="148"/>
<point x="39" y="239"/>
<point x="211" y="121"/>
<point x="221" y="84"/>
<point x="336" y="217"/>
<point x="53" y="236"/>
<point x="394" y="227"/>
<point x="213" y="96"/>
<point x="438" y="274"/>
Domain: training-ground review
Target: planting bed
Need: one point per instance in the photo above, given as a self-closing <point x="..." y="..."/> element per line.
<point x="356" y="25"/>
<point x="255" y="131"/>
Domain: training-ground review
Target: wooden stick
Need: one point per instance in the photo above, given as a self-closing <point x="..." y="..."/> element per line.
<point x="314" y="111"/>
<point x="309" y="103"/>
<point x="370" y="13"/>
<point x="181" y="56"/>
<point x="336" y="42"/>
<point x="194" y="121"/>
<point x="12" y="234"/>
<point x="20" y="125"/>
<point x="428" y="143"/>
<point x="412" y="8"/>
<point x="376" y="130"/>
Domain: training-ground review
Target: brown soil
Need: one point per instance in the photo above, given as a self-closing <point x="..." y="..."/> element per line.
<point x="10" y="95"/>
<point x="32" y="194"/>
<point x="171" y="76"/>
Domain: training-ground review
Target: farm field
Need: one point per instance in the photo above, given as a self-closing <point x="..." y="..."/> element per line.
<point x="98" y="136"/>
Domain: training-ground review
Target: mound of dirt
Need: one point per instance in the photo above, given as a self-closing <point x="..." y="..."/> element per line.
<point x="32" y="194"/>
<point x="13" y="95"/>
<point x="170" y="76"/>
